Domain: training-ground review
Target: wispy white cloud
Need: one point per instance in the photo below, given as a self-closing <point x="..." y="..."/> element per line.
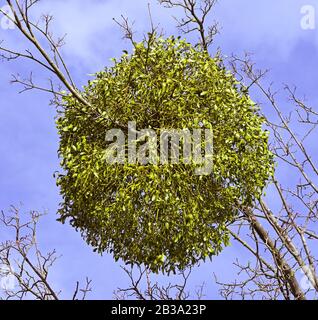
<point x="272" y="26"/>
<point x="92" y="35"/>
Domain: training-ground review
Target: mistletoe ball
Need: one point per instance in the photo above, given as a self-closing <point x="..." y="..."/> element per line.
<point x="164" y="216"/>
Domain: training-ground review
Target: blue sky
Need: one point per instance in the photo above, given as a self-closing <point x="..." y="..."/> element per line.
<point x="29" y="142"/>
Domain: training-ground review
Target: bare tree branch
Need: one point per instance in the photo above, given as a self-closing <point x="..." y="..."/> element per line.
<point x="195" y="13"/>
<point x="26" y="263"/>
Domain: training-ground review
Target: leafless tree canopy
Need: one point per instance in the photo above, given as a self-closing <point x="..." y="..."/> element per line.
<point x="195" y="16"/>
<point x="142" y="287"/>
<point x="23" y="263"/>
<point x="280" y="236"/>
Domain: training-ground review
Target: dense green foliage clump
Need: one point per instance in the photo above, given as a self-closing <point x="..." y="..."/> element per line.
<point x="164" y="216"/>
